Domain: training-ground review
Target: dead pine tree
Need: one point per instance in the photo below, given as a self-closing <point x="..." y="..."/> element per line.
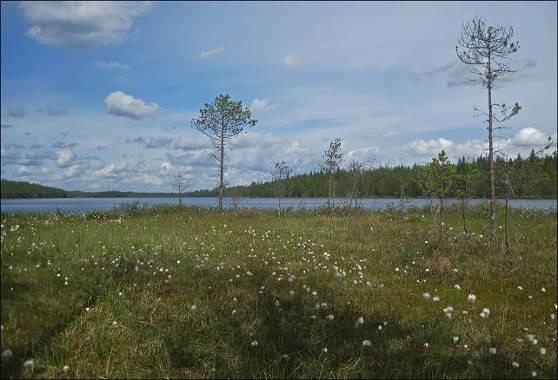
<point x="331" y="161"/>
<point x="221" y="121"/>
<point x="179" y="183"/>
<point x="280" y="176"/>
<point x="488" y="49"/>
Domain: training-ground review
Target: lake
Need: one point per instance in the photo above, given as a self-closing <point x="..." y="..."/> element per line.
<point x="79" y="205"/>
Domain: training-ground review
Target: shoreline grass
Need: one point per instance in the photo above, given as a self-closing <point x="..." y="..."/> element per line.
<point x="190" y="292"/>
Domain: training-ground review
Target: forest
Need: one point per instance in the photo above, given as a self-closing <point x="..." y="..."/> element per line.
<point x="531" y="177"/>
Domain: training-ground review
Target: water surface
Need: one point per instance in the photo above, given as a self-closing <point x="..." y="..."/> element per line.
<point x="79" y="205"/>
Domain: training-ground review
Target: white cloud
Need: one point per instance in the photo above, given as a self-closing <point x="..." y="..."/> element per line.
<point x="105" y="172"/>
<point x="212" y="53"/>
<point x="259" y="105"/>
<point x="292" y="62"/>
<point x="22" y="170"/>
<point x="111" y="65"/>
<point x="430" y="147"/>
<point x="121" y="104"/>
<point x="73" y="171"/>
<point x="64" y="157"/>
<point x="529" y="137"/>
<point x="81" y="23"/>
<point x="166" y="168"/>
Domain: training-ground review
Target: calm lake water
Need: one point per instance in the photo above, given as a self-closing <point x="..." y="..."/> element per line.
<point x="79" y="205"/>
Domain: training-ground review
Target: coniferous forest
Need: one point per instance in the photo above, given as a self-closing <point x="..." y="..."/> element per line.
<point x="531" y="177"/>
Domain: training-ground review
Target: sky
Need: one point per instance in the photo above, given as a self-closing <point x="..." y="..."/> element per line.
<point x="100" y="96"/>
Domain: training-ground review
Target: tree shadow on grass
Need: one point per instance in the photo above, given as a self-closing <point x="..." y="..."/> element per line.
<point x="291" y="344"/>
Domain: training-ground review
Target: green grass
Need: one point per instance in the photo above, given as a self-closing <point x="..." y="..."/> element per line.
<point x="133" y="280"/>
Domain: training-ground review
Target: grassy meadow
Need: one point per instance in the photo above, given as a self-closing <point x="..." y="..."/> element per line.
<point x="191" y="293"/>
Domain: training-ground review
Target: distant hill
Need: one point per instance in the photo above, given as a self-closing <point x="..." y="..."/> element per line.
<point x="17" y="189"/>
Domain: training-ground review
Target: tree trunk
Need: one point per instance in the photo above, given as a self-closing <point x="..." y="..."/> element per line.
<point x="465" y="229"/>
<point x="279" y="202"/>
<point x="222" y="170"/>
<point x="506" y="227"/>
<point x="329" y="191"/>
<point x="441" y="210"/>
<point x="491" y="150"/>
<point x="352" y="194"/>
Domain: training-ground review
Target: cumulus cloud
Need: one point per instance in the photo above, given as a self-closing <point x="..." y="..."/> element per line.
<point x="260" y="105"/>
<point x="64" y="157"/>
<point x="212" y="53"/>
<point x="111" y="65"/>
<point x="73" y="171"/>
<point x="529" y="137"/>
<point x="81" y="23"/>
<point x="292" y="62"/>
<point x="430" y="148"/>
<point x="121" y="104"/>
<point x="166" y="168"/>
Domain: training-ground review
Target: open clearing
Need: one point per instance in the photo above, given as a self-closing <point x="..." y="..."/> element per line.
<point x="194" y="293"/>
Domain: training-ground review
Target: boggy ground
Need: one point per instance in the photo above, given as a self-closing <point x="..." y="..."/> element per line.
<point x="190" y="293"/>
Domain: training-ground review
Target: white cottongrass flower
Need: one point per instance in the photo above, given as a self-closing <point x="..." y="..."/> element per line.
<point x="324" y="349"/>
<point x="285" y="357"/>
<point x="330" y="317"/>
<point x="366" y="343"/>
<point x="426" y="296"/>
<point x="492" y="350"/>
<point x="359" y="322"/>
<point x="534" y="373"/>
<point x="436" y="299"/>
<point x="455" y="339"/>
<point x="515" y="364"/>
<point x="456" y="286"/>
<point x="485" y="313"/>
<point x="254" y="343"/>
<point x="542" y="351"/>
<point x="66" y="368"/>
<point x="426" y="345"/>
<point x="193" y="307"/>
<point x="7" y="354"/>
<point x="520" y="288"/>
<point x="277" y="303"/>
<point x="29" y="364"/>
<point x="472" y="298"/>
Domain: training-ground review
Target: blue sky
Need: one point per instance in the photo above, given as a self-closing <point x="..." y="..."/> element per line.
<point x="99" y="96"/>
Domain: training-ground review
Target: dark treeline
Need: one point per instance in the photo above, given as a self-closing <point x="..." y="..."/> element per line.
<point x="531" y="177"/>
<point x="17" y="189"/>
